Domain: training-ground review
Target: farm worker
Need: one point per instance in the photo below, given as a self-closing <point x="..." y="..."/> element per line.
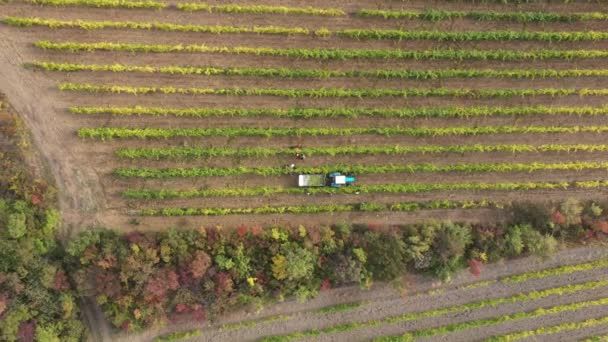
<point x="292" y="166"/>
<point x="300" y="156"/>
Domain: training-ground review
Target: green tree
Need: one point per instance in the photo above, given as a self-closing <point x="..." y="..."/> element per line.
<point x="16" y="226"/>
<point x="300" y="262"/>
<point x="514" y="244"/>
<point x="385" y="255"/>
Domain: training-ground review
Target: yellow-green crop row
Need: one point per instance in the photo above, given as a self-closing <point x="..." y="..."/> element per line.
<point x="253" y="323"/>
<point x="369" y="34"/>
<point x="105" y="133"/>
<point x="330" y="54"/>
<point x="97" y="25"/>
<point x="259" y="9"/>
<point x="140" y="4"/>
<point x="519" y="16"/>
<point x="268" y="171"/>
<point x="161" y="194"/>
<point x="450" y="328"/>
<point x="335" y="92"/>
<point x="592" y="322"/>
<point x="597" y="339"/>
<point x="556" y="271"/>
<point x="326" y="208"/>
<point x="522" y="297"/>
<point x="179" y="335"/>
<point x="351" y="112"/>
<point x="549" y="272"/>
<point x="208" y="152"/>
<point x="324" y="73"/>
<point x="191" y="7"/>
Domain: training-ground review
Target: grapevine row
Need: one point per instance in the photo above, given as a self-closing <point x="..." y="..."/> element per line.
<point x="334" y="92"/>
<point x="97" y="25"/>
<point x="592" y="322"/>
<point x="267" y="171"/>
<point x="368" y="34"/>
<point x="522" y="17"/>
<point x="139" y="4"/>
<point x="191" y="7"/>
<point x="147" y="194"/>
<point x="522" y="297"/>
<point x="207" y="152"/>
<point x="484" y="322"/>
<point x="351" y="112"/>
<point x="105" y="133"/>
<point x="330" y="54"/>
<point x="324" y="73"/>
<point x="259" y="9"/>
<point x="329" y="208"/>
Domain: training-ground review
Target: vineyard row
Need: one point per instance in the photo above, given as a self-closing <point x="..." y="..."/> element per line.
<point x="350" y="112"/>
<point x="455" y="327"/>
<point x="324" y="73"/>
<point x="329" y="54"/>
<point x="105" y="133"/>
<point x="209" y="152"/>
<point x="148" y="194"/>
<point x="268" y="171"/>
<point x="330" y="208"/>
<point x="335" y="92"/>
<point x="367" y="34"/>
<point x="522" y="297"/>
<point x="429" y="15"/>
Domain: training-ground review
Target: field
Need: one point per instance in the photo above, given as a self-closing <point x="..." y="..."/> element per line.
<point x="178" y="114"/>
<point x="161" y="114"/>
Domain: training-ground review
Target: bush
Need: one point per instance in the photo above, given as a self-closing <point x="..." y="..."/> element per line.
<point x="385" y="255"/>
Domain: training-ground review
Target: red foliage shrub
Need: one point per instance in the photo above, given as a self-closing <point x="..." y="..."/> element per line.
<point x="126" y="325"/>
<point x="200" y="264"/>
<point x="198" y="312"/>
<point x="61" y="282"/>
<point x="36" y="199"/>
<point x="475" y="267"/>
<point x="212" y="235"/>
<point x="242" y="231"/>
<point x="600" y="226"/>
<point x="27" y="331"/>
<point x="3" y="303"/>
<point x="374" y="227"/>
<point x="325" y="285"/>
<point x="181" y="308"/>
<point x="108" y="284"/>
<point x="558" y="218"/>
<point x="256" y="230"/>
<point x="223" y="283"/>
<point x="134" y="237"/>
<point x="157" y="287"/>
